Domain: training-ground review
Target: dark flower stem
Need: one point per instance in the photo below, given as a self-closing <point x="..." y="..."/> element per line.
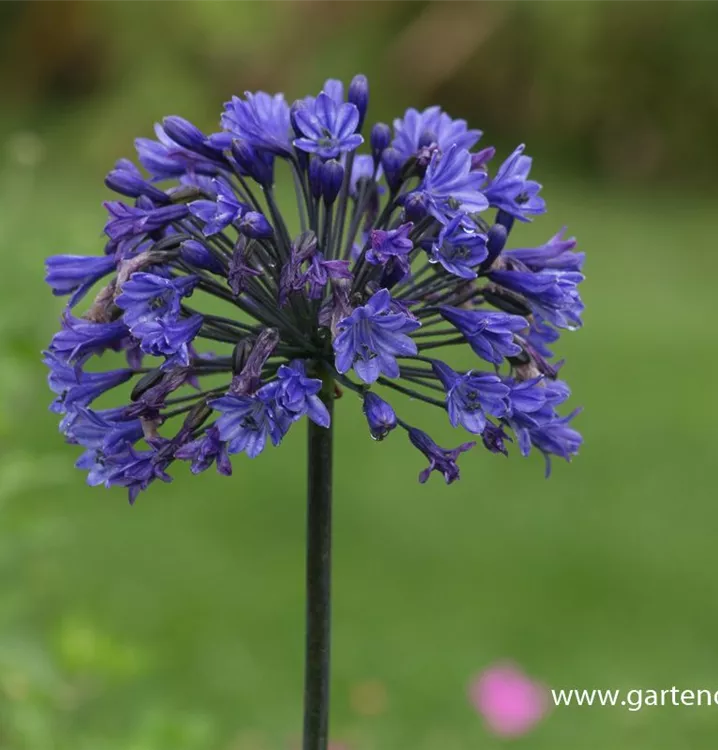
<point x="319" y="538"/>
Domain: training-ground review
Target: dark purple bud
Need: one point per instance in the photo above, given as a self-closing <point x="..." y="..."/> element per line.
<point x="338" y="306"/>
<point x="440" y="459"/>
<point x="332" y="178"/>
<point x="242" y="350"/>
<point x="249" y="379"/>
<point x="152" y="390"/>
<point x="305" y="247"/>
<point x="197" y="416"/>
<point x="258" y="166"/>
<point x="480" y="159"/>
<point x="240" y="272"/>
<point x="493" y="438"/>
<point x="255" y="225"/>
<point x="147" y="381"/>
<point x="392" y="162"/>
<point x="379" y="415"/>
<point x="315" y="178"/>
<point x="184" y="133"/>
<point x="358" y="95"/>
<point x="506" y="301"/>
<point x="379" y="139"/>
<point x="415" y="207"/>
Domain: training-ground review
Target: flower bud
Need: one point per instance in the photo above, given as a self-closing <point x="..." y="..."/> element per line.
<point x="358" y="95"/>
<point x="379" y="139"/>
<point x="255" y="226"/>
<point x="415" y="207"/>
<point x="331" y="178"/>
<point x="256" y="165"/>
<point x="495" y="242"/>
<point x="197" y="416"/>
<point x="315" y="178"/>
<point x="184" y="133"/>
<point x="379" y="415"/>
<point x="392" y="162"/>
<point x="127" y="180"/>
<point x="505" y="218"/>
<point x="197" y="254"/>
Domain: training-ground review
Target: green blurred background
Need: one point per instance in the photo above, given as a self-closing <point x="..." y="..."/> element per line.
<point x="178" y="624"/>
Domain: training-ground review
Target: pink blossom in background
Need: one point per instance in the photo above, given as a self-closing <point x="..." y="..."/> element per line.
<point x="510" y="701"/>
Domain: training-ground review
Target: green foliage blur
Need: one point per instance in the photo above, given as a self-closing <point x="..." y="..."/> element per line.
<point x="178" y="624"/>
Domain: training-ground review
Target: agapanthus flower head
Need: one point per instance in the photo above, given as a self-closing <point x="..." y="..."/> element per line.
<point x="405" y="252"/>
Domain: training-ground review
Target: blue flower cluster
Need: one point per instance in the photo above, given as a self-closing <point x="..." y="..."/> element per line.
<point x="231" y="313"/>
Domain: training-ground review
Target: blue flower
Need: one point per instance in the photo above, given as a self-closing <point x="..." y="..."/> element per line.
<point x="553" y="294"/>
<point x="391" y="243"/>
<point x="548" y="432"/>
<point x="75" y="388"/>
<point x="168" y="336"/>
<point x="527" y="396"/>
<point x="204" y="451"/>
<point x="328" y="129"/>
<point x="432" y="126"/>
<point x="80" y="339"/>
<point x="260" y="119"/>
<point x="76" y="274"/>
<point x="218" y="214"/>
<point x="556" y="254"/>
<point x="471" y="396"/>
<point x="295" y="394"/>
<point x="449" y="185"/>
<point x="440" y="459"/>
<point x="379" y="415"/>
<point x="109" y="430"/>
<point x="246" y="422"/>
<point x="459" y="248"/>
<point x="146" y="296"/>
<point x="511" y="190"/>
<point x="129" y="468"/>
<point x="372" y="337"/>
<point x="556" y="437"/>
<point x="540" y="335"/>
<point x="128" y="221"/>
<point x="320" y="272"/>
<point x="166" y="159"/>
<point x="490" y="334"/>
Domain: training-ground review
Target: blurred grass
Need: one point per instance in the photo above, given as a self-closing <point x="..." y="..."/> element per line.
<point x="177" y="624"/>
